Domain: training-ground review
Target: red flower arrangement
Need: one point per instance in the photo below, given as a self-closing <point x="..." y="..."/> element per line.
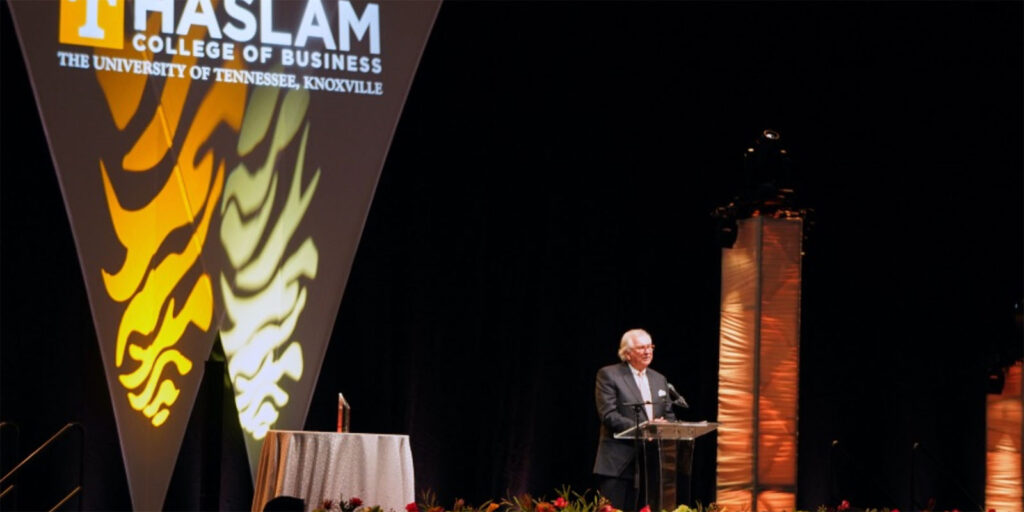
<point x="565" y="501"/>
<point x="344" y="506"/>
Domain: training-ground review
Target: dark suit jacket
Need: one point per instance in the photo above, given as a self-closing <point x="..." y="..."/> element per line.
<point x="615" y="386"/>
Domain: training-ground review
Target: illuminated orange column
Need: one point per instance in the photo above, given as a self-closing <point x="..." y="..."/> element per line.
<point x="759" y="358"/>
<point x="1003" y="479"/>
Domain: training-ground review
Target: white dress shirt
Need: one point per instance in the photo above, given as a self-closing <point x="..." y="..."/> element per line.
<point x="645" y="390"/>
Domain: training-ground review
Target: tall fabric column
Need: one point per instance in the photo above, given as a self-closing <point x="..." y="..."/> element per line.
<point x="1003" y="480"/>
<point x="759" y="356"/>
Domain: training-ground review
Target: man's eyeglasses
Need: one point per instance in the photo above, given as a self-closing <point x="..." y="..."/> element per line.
<point x="644" y="348"/>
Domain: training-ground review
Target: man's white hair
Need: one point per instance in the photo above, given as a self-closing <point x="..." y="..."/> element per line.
<point x="630" y="339"/>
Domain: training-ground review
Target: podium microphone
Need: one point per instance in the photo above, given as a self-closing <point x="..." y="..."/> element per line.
<point x="677" y="399"/>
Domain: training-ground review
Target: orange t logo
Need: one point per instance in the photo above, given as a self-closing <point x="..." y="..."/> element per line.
<point x="92" y="23"/>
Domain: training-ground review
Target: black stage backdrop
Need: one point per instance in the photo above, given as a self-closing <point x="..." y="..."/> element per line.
<point x="550" y="186"/>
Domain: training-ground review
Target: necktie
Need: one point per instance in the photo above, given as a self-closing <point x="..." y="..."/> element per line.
<point x="645" y="392"/>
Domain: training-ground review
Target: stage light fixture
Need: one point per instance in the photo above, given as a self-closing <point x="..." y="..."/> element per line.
<point x="1007" y="350"/>
<point x="765" y="188"/>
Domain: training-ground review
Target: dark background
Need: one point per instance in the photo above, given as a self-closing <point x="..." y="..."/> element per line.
<point x="550" y="186"/>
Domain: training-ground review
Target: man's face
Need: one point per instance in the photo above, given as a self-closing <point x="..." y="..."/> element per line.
<point x="641" y="354"/>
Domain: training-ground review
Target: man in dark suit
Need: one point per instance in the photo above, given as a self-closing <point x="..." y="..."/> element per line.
<point x="628" y="382"/>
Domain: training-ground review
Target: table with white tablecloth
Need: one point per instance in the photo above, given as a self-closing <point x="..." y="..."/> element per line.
<point x="318" y="466"/>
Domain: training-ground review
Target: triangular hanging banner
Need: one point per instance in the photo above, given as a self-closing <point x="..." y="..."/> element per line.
<point x="217" y="160"/>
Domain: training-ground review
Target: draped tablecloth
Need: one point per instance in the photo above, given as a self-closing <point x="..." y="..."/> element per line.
<point x="314" y="466"/>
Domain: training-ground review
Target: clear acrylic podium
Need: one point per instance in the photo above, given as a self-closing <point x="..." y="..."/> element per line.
<point x="664" y="468"/>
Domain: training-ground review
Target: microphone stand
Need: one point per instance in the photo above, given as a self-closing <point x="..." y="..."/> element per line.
<point x="639" y="476"/>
